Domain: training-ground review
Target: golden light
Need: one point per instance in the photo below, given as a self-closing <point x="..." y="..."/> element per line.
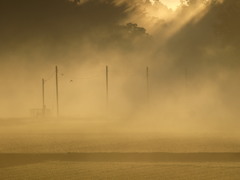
<point x="171" y="4"/>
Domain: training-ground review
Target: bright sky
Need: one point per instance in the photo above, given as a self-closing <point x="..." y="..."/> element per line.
<point x="171" y="3"/>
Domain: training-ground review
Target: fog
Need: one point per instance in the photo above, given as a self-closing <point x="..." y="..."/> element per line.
<point x="191" y="52"/>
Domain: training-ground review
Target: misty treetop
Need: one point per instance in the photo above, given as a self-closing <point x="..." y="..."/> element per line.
<point x="59" y="24"/>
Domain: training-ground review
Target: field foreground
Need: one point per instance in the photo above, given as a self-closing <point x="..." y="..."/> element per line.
<point x="20" y="159"/>
<point x="99" y="150"/>
<point x="120" y="166"/>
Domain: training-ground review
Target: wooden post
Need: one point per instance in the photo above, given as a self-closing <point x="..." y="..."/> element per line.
<point x="147" y="79"/>
<point x="43" y="98"/>
<point x="57" y="98"/>
<point x="107" y="88"/>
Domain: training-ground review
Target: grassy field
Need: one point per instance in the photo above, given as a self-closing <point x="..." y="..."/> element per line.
<point x="117" y="170"/>
<point x="93" y="135"/>
<point x="19" y="139"/>
<point x="111" y="142"/>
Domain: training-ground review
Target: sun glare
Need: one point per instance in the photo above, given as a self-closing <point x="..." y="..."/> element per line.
<point x="172" y="4"/>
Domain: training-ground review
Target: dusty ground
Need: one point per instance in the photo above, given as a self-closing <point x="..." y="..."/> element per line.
<point x="24" y="137"/>
<point x="116" y="170"/>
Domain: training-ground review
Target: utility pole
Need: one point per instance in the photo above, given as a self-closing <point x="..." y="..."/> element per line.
<point x="107" y="90"/>
<point x="147" y="79"/>
<point x="57" y="100"/>
<point x="43" y="98"/>
<point x="186" y="78"/>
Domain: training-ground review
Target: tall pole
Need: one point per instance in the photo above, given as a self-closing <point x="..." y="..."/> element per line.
<point x="186" y="87"/>
<point x="57" y="100"/>
<point x="186" y="78"/>
<point x="43" y="97"/>
<point x="107" y="90"/>
<point x="147" y="79"/>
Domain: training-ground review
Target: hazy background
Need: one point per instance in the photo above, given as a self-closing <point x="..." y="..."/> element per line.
<point x="191" y="50"/>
